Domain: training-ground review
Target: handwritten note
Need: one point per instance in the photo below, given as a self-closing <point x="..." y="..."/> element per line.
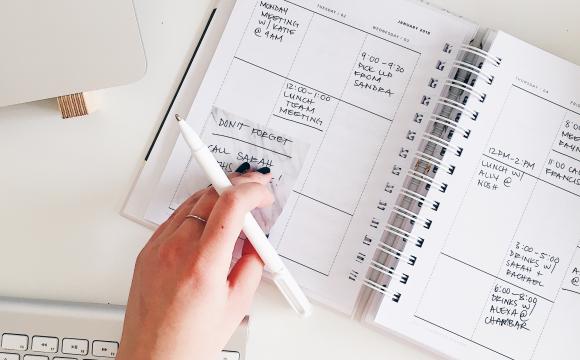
<point x="493" y="175"/>
<point x="568" y="140"/>
<point x="572" y="280"/>
<point x="510" y="307"/>
<point x="304" y="106"/>
<point x="234" y="140"/>
<point x="274" y="23"/>
<point x="529" y="265"/>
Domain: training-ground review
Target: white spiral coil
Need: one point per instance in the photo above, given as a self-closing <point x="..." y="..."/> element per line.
<point x="405" y="214"/>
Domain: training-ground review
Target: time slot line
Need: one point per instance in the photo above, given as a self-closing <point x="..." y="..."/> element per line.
<point x="543" y="98"/>
<point x="464" y="337"/>
<point x="305" y="85"/>
<point x="323" y="203"/>
<point x="533" y="176"/>
<point x="566" y="155"/>
<point x="510" y="166"/>
<point x="304" y="265"/>
<point x="572" y="291"/>
<point x="498" y="278"/>
<point x="297" y="122"/>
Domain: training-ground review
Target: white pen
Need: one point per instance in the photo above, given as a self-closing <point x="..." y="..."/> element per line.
<point x="280" y="273"/>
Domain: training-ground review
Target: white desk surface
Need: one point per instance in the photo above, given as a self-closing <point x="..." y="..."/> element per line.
<point x="63" y="182"/>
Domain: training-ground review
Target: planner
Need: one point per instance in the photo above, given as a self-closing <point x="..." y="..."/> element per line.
<point x="435" y="193"/>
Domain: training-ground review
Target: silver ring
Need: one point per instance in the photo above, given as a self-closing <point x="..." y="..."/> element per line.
<point x="196" y="218"/>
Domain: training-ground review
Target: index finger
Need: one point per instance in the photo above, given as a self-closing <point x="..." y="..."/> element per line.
<point x="226" y="220"/>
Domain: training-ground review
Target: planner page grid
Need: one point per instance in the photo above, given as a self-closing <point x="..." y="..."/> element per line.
<point x="336" y="76"/>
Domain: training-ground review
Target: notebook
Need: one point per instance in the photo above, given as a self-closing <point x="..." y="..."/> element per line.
<point x="440" y="196"/>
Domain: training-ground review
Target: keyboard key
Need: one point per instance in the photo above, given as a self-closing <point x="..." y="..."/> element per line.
<point x="61" y="358"/>
<point x="44" y="344"/>
<point x="14" y="342"/>
<point x="105" y="348"/>
<point x="35" y="357"/>
<point x="5" y="356"/>
<point x="75" y="347"/>
<point x="229" y="355"/>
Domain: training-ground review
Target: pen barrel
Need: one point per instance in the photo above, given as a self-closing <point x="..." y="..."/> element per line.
<point x="292" y="292"/>
<point x="262" y="245"/>
<point x="213" y="170"/>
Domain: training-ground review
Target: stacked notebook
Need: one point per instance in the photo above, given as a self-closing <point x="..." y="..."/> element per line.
<point x="440" y="197"/>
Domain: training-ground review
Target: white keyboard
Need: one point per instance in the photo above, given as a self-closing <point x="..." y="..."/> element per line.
<point x="46" y="330"/>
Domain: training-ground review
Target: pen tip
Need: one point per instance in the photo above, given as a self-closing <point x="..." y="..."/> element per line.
<point x="178" y="117"/>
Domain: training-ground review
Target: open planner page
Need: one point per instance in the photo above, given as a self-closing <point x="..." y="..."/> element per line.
<point x="338" y="76"/>
<point x="499" y="274"/>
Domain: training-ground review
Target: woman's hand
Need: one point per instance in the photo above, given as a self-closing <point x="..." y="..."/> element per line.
<point x="185" y="303"/>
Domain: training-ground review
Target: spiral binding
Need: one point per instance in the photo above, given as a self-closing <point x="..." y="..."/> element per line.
<point x="480" y="53"/>
<point x="405" y="235"/>
<point x="426" y="179"/>
<point x="474" y="70"/>
<point x="438" y="139"/>
<point x="467" y="88"/>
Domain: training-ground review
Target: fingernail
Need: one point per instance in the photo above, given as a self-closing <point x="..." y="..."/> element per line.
<point x="243" y="168"/>
<point x="264" y="170"/>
